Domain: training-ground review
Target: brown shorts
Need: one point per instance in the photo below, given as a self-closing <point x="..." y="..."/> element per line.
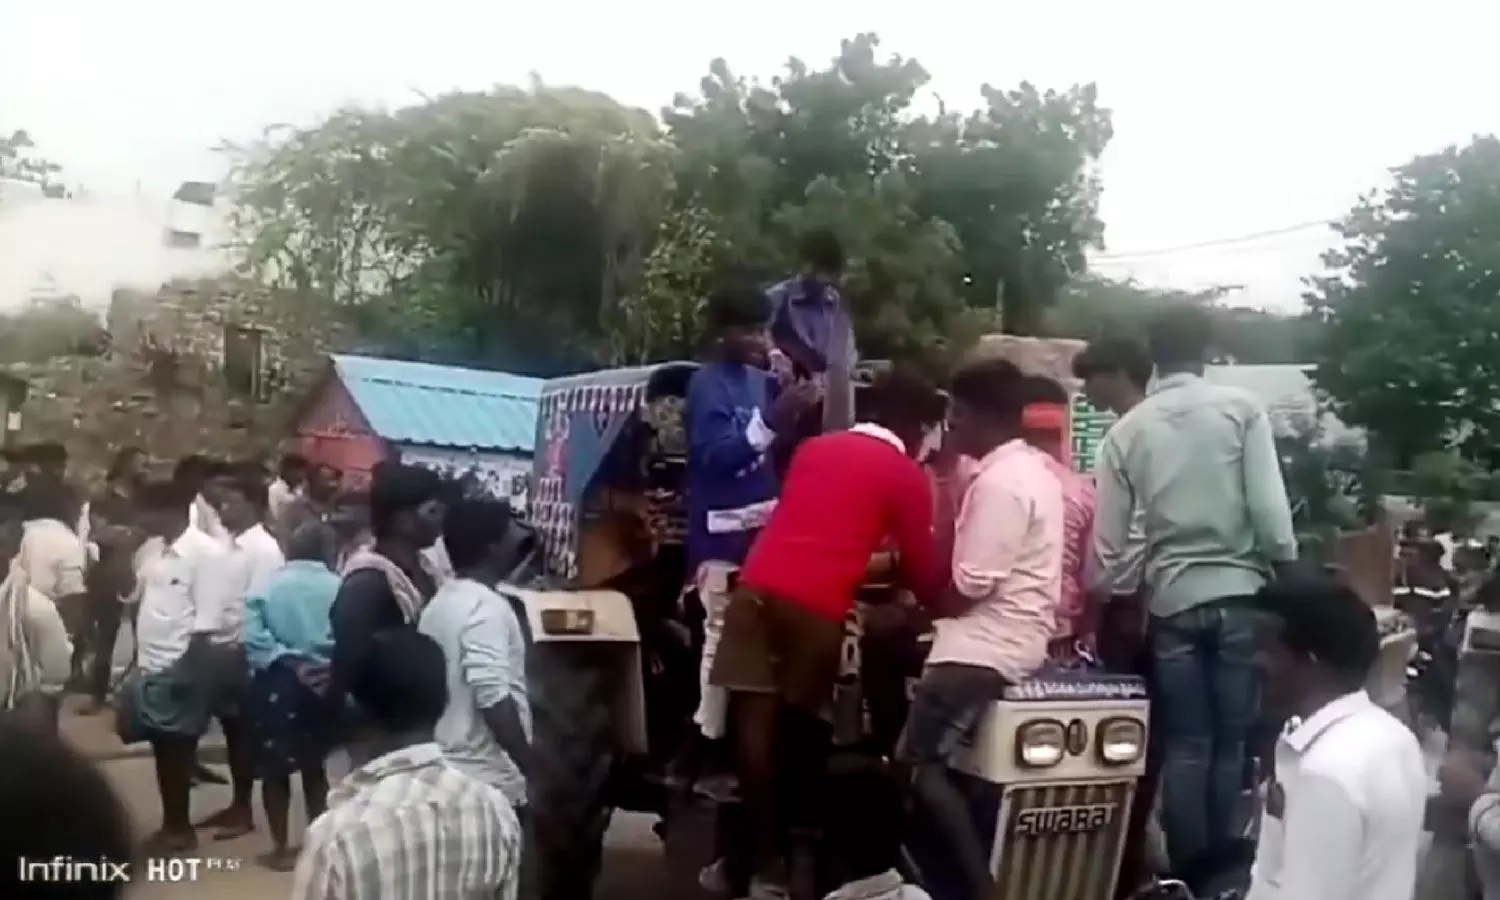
<point x="774" y="646"/>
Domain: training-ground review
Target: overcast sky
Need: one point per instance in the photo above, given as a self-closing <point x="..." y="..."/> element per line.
<point x="1231" y="119"/>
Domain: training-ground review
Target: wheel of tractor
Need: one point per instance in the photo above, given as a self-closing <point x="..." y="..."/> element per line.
<point x="571" y="686"/>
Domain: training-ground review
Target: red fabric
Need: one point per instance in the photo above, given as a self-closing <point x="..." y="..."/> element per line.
<point x="845" y="494"/>
<point x="1050" y="416"/>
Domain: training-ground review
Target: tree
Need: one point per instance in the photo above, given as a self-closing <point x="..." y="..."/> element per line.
<point x="500" y="222"/>
<point x="1093" y="306"/>
<point x="482" y="224"/>
<point x="1411" y="342"/>
<point x="1446" y="486"/>
<point x="19" y="162"/>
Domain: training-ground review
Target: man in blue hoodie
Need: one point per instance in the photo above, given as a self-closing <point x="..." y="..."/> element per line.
<point x="734" y="414"/>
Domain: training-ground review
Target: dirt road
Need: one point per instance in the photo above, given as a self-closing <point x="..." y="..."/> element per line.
<point x="633" y="868"/>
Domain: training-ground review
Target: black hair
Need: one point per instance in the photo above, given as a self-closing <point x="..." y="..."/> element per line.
<point x="1041" y="389"/>
<point x="736" y="305"/>
<point x="864" y="812"/>
<point x="250" y="468"/>
<point x="313" y="542"/>
<point x="822" y="251"/>
<point x="165" y="495"/>
<point x="992" y="387"/>
<point x="396" y="488"/>
<point x="1115" y="356"/>
<point x="193" y="468"/>
<point x="1180" y="335"/>
<point x="1325" y="621"/>
<point x="470" y="527"/>
<point x="120" y="464"/>
<point x="68" y="808"/>
<point x="401" y="681"/>
<point x="45" y="500"/>
<point x="292" y="462"/>
<point x="250" y="486"/>
<point x="902" y="398"/>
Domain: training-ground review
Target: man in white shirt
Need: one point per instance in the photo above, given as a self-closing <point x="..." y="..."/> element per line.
<point x="194" y="474"/>
<point x="53" y="560"/>
<point x="1343" y="812"/>
<point x="486" y="728"/>
<point x="287" y="487"/>
<point x="35" y="649"/>
<point x="252" y="558"/>
<point x="181" y="589"/>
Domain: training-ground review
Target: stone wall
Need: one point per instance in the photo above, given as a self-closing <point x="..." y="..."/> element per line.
<point x="161" y="383"/>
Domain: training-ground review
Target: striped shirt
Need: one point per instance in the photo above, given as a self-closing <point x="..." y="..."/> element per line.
<point x="408" y="826"/>
<point x="1073" y="619"/>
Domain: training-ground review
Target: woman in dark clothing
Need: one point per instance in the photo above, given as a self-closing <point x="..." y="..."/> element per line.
<point x="288" y="644"/>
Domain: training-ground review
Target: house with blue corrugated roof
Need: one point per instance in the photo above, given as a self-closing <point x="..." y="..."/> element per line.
<point x="455" y="420"/>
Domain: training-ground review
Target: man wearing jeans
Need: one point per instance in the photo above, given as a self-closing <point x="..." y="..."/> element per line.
<point x="1200" y="461"/>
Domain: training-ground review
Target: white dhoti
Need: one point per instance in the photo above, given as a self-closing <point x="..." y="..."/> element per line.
<point x="713" y="580"/>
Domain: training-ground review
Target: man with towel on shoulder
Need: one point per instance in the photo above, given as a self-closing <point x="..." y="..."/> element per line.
<point x="385" y="585"/>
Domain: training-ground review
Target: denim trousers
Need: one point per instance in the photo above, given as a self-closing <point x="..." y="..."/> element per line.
<point x="1206" y="709"/>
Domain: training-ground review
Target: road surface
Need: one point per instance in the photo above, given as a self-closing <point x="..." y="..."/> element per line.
<point x="633" y="867"/>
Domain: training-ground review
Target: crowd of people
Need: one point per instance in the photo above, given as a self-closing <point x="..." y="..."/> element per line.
<point x="303" y="622"/>
<point x="1172" y="559"/>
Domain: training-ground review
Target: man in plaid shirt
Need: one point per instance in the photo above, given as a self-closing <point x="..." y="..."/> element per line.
<point x="406" y="825"/>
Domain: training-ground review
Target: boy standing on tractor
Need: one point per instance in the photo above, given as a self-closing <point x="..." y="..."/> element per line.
<point x="734" y="414"/>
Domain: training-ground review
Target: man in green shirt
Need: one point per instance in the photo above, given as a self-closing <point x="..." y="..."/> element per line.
<point x="1199" y="461"/>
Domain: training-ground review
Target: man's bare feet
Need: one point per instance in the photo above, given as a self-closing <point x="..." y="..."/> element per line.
<point x="231" y="822"/>
<point x="95" y="707"/>
<point x="282" y="859"/>
<point x="166" y="843"/>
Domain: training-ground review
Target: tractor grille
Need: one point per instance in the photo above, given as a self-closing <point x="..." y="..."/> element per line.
<point x="1061" y="842"/>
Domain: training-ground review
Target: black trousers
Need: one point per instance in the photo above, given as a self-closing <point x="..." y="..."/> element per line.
<point x="100" y="629"/>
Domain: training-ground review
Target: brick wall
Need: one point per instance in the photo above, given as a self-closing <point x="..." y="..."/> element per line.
<point x="161" y="385"/>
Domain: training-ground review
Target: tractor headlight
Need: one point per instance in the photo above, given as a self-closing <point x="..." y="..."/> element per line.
<point x="1120" y="741"/>
<point x="567" y="621"/>
<point x="1039" y="744"/>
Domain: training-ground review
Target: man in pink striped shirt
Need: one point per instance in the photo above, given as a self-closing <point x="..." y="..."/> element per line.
<point x="1043" y="426"/>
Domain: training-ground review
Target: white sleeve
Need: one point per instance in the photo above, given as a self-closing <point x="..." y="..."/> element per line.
<point x="758" y="433"/>
<point x="49" y="638"/>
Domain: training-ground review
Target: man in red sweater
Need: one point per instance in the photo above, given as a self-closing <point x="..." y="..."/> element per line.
<point x="845" y="495"/>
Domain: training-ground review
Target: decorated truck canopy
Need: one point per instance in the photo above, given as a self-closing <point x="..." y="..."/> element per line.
<point x="580" y="421"/>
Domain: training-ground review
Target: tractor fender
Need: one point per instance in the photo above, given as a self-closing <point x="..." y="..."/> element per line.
<point x="560" y="620"/>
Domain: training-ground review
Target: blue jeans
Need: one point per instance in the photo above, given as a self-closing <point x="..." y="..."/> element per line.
<point x="1206" y="708"/>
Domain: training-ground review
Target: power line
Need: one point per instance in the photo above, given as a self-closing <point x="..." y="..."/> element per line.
<point x="1206" y="245"/>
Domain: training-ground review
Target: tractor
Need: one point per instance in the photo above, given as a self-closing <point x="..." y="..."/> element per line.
<point x="612" y="670"/>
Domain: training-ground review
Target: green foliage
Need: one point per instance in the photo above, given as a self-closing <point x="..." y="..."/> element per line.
<point x="1411" y="347"/>
<point x="1446" y="486"/>
<point x="1322" y="486"/>
<point x="1093" y="306"/>
<point x="515" y="223"/>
